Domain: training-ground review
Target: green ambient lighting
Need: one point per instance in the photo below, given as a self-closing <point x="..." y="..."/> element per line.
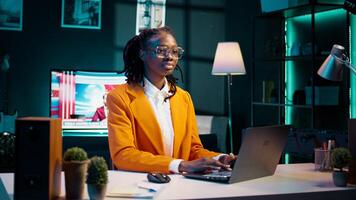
<point x="289" y="71"/>
<point x="291" y="79"/>
<point x="286" y="158"/>
<point x="352" y="58"/>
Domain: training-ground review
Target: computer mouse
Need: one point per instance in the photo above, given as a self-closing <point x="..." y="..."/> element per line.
<point x="158" y="178"/>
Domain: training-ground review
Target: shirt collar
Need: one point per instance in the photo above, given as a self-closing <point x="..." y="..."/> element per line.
<point x="151" y="90"/>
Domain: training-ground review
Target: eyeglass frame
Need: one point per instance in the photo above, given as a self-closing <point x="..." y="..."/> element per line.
<point x="167" y="50"/>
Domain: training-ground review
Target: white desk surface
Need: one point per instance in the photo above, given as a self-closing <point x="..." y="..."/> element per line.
<point x="293" y="181"/>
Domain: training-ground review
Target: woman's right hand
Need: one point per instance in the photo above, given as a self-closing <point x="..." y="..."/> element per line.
<point x="202" y="165"/>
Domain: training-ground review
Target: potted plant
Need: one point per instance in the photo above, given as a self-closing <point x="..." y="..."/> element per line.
<point x="340" y="158"/>
<point x="97" y="178"/>
<point x="75" y="164"/>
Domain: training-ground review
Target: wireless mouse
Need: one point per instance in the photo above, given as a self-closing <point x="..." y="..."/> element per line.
<point x="158" y="178"/>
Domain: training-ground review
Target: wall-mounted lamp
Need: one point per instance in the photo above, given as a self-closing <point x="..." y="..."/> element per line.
<point x="333" y="65"/>
<point x="228" y="61"/>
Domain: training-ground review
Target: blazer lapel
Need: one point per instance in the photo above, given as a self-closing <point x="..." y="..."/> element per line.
<point x="145" y="117"/>
<point x="179" y="109"/>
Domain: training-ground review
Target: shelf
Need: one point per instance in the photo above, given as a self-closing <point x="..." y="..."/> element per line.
<point x="280" y="105"/>
<point x="291" y="75"/>
<point x="304" y="9"/>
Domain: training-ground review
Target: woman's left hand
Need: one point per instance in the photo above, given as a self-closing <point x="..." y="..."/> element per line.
<point x="227" y="159"/>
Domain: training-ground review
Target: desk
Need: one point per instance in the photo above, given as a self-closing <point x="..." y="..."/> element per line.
<point x="294" y="181"/>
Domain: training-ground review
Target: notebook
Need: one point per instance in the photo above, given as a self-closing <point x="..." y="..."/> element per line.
<point x="259" y="156"/>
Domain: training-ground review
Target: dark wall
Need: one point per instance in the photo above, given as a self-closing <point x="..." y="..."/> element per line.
<point x="43" y="45"/>
<point x="240" y="28"/>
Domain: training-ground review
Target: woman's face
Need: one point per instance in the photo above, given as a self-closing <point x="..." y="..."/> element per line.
<point x="159" y="63"/>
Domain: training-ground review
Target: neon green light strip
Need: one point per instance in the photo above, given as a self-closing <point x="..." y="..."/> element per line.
<point x="352" y="76"/>
<point x="289" y="72"/>
<point x="286" y="158"/>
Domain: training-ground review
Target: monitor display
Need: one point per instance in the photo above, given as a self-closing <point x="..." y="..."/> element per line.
<point x="79" y="98"/>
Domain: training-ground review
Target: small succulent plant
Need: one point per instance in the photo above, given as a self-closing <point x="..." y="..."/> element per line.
<point x="97" y="171"/>
<point x="75" y="154"/>
<point x="340" y="158"/>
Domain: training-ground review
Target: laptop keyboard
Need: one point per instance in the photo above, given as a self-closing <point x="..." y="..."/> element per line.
<point x="219" y="174"/>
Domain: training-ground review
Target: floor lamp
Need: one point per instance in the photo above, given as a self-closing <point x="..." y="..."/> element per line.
<point x="331" y="69"/>
<point x="228" y="61"/>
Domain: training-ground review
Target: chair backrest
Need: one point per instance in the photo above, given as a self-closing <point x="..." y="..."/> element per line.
<point x="209" y="124"/>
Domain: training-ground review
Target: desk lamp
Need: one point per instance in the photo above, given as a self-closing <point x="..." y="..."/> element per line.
<point x="331" y="69"/>
<point x="228" y="61"/>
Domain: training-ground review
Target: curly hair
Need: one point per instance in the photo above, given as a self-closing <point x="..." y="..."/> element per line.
<point x="134" y="66"/>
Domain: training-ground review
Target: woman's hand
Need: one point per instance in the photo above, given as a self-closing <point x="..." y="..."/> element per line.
<point x="227" y="159"/>
<point x="201" y="165"/>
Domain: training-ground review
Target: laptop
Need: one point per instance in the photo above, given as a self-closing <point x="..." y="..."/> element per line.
<point x="259" y="156"/>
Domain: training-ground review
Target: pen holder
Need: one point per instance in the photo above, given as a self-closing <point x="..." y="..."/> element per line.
<point x="322" y="160"/>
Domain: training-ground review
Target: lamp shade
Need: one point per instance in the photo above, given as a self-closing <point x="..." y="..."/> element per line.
<point x="228" y="59"/>
<point x="331" y="68"/>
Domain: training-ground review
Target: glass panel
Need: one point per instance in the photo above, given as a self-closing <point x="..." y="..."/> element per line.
<point x="266" y="82"/>
<point x="266" y="115"/>
<point x="300" y="117"/>
<point x="269" y="38"/>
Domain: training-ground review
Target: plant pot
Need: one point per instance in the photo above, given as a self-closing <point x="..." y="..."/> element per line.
<point x="340" y="178"/>
<point x="75" y="173"/>
<point x="96" y="192"/>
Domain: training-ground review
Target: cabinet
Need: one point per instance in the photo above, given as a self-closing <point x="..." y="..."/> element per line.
<point x="289" y="47"/>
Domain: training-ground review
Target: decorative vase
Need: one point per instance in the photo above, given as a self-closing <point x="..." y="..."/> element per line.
<point x="340" y="178"/>
<point x="75" y="173"/>
<point x="97" y="192"/>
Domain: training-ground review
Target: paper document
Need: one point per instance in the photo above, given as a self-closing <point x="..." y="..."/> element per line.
<point x="142" y="189"/>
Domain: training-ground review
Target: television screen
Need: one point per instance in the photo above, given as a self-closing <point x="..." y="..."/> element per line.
<point x="79" y="98"/>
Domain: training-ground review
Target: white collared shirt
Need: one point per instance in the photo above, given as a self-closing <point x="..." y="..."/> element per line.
<point x="162" y="110"/>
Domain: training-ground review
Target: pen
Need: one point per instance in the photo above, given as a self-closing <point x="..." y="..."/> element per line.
<point x="149" y="189"/>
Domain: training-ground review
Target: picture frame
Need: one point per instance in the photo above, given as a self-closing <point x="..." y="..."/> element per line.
<point x="150" y="14"/>
<point x="84" y="14"/>
<point x="11" y="14"/>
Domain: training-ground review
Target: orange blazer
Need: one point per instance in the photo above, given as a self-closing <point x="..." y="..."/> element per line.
<point x="135" y="139"/>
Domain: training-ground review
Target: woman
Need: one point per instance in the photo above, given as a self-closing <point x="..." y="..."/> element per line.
<point x="152" y="126"/>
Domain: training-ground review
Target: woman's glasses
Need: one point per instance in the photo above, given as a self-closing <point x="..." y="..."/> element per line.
<point x="163" y="51"/>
